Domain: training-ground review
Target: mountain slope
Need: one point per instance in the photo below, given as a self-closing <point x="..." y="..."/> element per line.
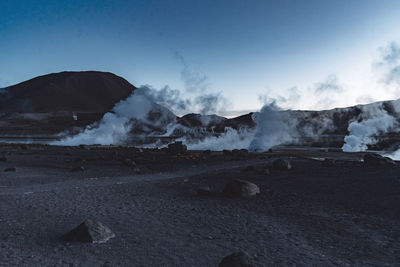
<point x="86" y="91"/>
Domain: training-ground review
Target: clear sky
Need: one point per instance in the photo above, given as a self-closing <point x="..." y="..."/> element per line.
<point x="306" y="54"/>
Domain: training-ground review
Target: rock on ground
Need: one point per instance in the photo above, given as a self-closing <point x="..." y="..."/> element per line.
<point x="241" y="188"/>
<point x="89" y="232"/>
<point x="236" y="259"/>
<point x="378" y="160"/>
<point x="281" y="164"/>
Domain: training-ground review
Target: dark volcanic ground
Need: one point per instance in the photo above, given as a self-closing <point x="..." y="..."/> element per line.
<point x="344" y="214"/>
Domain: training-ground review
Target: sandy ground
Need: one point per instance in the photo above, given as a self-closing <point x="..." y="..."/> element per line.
<point x="345" y="214"/>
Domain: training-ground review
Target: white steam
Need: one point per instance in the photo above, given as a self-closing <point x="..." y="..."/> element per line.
<point x="114" y="126"/>
<point x="363" y="133"/>
<point x="271" y="129"/>
<point x="230" y="139"/>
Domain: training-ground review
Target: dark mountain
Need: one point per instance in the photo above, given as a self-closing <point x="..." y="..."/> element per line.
<point x="46" y="104"/>
<point x="86" y="91"/>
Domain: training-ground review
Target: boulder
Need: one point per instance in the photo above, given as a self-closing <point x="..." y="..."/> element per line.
<point x="281" y="164"/>
<point x="89" y="232"/>
<point x="374" y="159"/>
<point x="177" y="148"/>
<point x="236" y="259"/>
<point x="240" y="188"/>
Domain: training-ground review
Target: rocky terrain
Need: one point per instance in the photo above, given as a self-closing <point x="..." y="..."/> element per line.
<point x="164" y="208"/>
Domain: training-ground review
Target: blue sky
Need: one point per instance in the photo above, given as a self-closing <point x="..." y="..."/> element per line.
<point x="277" y="49"/>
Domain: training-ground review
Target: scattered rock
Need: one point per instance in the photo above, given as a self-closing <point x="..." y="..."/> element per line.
<point x="378" y="160"/>
<point x="204" y="191"/>
<point x="281" y="164"/>
<point x="11" y="169"/>
<point x="79" y="159"/>
<point x="249" y="168"/>
<point x="265" y="171"/>
<point x="23" y="147"/>
<point x="207" y="152"/>
<point x="236" y="259"/>
<point x="89" y="232"/>
<point x="78" y="169"/>
<point x="241" y="188"/>
<point x="177" y="148"/>
<point x="227" y="152"/>
<point x="328" y="163"/>
<point x="335" y="149"/>
<point x="242" y="153"/>
<point x="129" y="162"/>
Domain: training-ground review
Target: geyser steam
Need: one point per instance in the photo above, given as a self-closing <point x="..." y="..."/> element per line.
<point x="363" y="133"/>
<point x="271" y="129"/>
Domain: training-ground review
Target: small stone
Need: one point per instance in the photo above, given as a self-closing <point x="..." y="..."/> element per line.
<point x="204" y="191"/>
<point x="241" y="188"/>
<point x="281" y="164"/>
<point x="249" y="168"/>
<point x="78" y="169"/>
<point x="237" y="259"/>
<point x="328" y="163"/>
<point x="89" y="232"/>
<point x="374" y="159"/>
<point x="11" y="169"/>
<point x="227" y="152"/>
<point x="137" y="171"/>
<point x="207" y="152"/>
<point x="177" y="148"/>
<point x="129" y="162"/>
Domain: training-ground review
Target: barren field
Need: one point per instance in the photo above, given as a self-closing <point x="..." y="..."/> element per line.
<point x="342" y="213"/>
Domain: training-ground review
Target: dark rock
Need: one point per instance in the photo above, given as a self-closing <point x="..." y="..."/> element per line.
<point x="281" y="164"/>
<point x="237" y="259"/>
<point x="373" y="159"/>
<point x="265" y="171"/>
<point x="3" y="159"/>
<point x="78" y="169"/>
<point x="204" y="191"/>
<point x="129" y="162"/>
<point x="242" y="153"/>
<point x="241" y="188"/>
<point x="177" y="148"/>
<point x="89" y="232"/>
<point x="227" y="152"/>
<point x="78" y="159"/>
<point x="335" y="149"/>
<point x="328" y="163"/>
<point x="249" y="168"/>
<point x="11" y="169"/>
<point x="137" y="170"/>
<point x="207" y="152"/>
<point x="23" y="147"/>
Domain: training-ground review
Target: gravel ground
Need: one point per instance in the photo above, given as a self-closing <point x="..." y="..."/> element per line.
<point x="344" y="214"/>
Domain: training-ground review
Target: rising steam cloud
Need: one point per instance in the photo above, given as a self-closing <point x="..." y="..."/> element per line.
<point x="362" y="134"/>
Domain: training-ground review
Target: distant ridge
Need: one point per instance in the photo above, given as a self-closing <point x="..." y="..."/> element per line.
<point x="83" y="91"/>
